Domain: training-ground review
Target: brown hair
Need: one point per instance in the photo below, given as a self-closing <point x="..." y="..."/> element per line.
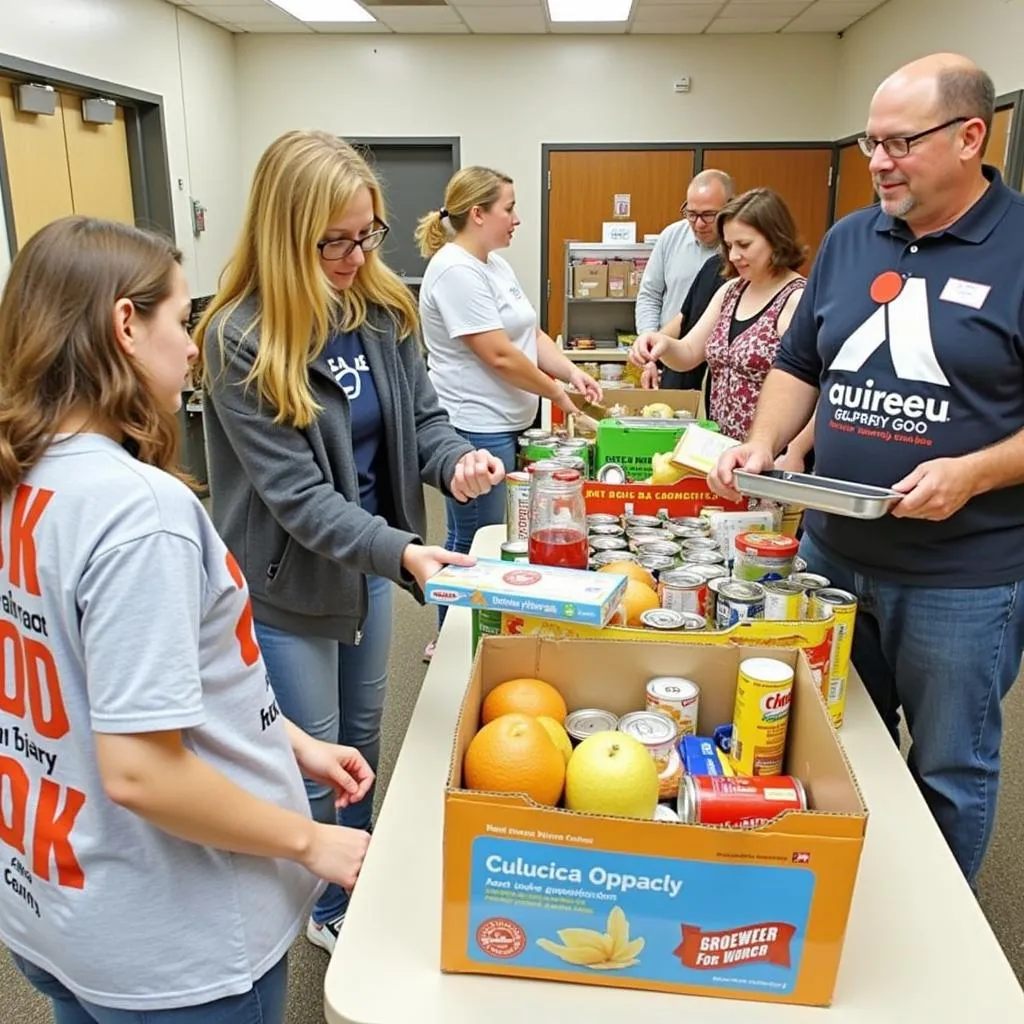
<point x="57" y="346"/>
<point x="472" y="186"/>
<point x="765" y="211"/>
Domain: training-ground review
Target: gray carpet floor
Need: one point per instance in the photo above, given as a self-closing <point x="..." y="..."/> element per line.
<point x="1001" y="886"/>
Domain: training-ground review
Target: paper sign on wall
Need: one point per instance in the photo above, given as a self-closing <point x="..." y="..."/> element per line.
<point x="618" y="232"/>
<point x="622" y="204"/>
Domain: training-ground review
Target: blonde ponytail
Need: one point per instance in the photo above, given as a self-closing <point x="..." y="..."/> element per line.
<point x="431" y="234"/>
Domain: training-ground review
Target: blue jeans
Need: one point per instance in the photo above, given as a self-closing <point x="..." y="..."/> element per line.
<point x="489" y="510"/>
<point x="946" y="656"/>
<point x="264" y="1003"/>
<point x="335" y="692"/>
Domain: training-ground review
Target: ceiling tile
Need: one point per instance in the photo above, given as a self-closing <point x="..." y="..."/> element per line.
<point x="504" y="20"/>
<point x="700" y="8"/>
<point x="828" y="18"/>
<point x="250" y="14"/>
<point x="420" y="19"/>
<point x="233" y="3"/>
<point x="775" y="9"/>
<point x="669" y="26"/>
<point x="341" y="27"/>
<point x="672" y="14"/>
<point x="749" y="25"/>
<point x="494" y="3"/>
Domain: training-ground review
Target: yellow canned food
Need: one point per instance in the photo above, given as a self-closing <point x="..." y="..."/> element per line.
<point x="843" y="605"/>
<point x="764" y="691"/>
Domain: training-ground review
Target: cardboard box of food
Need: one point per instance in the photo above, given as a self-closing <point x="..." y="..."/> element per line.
<point x="750" y="914"/>
<point x="687" y="497"/>
<point x="618" y="278"/>
<point x="635" y="275"/>
<point x="632" y="401"/>
<point x="542" y="590"/>
<point x="590" y="281"/>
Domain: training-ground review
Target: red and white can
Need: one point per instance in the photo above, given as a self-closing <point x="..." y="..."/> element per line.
<point x="517" y="505"/>
<point x="738" y="801"/>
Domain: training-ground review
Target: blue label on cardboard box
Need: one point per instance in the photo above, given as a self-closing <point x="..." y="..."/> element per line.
<point x="717" y="925"/>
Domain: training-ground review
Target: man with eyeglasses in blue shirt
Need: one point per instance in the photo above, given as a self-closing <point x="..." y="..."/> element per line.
<point x="910" y="338"/>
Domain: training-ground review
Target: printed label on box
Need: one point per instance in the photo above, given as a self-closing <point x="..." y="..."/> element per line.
<point x="728" y="926"/>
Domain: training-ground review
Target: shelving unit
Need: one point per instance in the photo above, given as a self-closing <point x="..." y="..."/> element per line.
<point x="600" y="319"/>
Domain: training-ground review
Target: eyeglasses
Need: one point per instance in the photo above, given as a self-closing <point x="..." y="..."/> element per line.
<point x="704" y="216"/>
<point x="900" y="147"/>
<point x="340" y="248"/>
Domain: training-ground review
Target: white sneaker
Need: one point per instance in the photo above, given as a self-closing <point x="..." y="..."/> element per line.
<point x="324" y="935"/>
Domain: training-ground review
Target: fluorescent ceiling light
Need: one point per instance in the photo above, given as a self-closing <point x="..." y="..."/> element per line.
<point x="325" y="10"/>
<point x="589" y="10"/>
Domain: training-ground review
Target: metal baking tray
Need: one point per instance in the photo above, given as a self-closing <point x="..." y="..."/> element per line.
<point x="840" y="497"/>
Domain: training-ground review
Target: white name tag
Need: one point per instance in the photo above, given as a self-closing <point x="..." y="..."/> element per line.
<point x="965" y="293"/>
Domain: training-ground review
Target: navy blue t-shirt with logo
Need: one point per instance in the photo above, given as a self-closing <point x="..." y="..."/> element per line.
<point x="917" y="347"/>
<point x="346" y="361"/>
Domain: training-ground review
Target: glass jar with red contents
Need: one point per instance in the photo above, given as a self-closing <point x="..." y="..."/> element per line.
<point x="558" y="520"/>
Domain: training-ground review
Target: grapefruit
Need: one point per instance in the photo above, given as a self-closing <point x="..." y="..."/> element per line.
<point x="515" y="754"/>
<point x="612" y="773"/>
<point x="531" y="697"/>
<point x="638" y="599"/>
<point x="558" y="735"/>
<point x="630" y="569"/>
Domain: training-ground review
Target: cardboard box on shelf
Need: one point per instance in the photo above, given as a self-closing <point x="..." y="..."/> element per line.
<point x="618" y="278"/>
<point x="631" y="401"/>
<point x="635" y="274"/>
<point x="751" y="914"/>
<point x="590" y="281"/>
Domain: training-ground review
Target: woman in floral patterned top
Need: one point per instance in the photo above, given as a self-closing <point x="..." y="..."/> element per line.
<point x="739" y="332"/>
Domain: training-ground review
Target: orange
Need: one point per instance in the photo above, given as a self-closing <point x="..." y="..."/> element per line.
<point x="638" y="598"/>
<point x="531" y="697"/>
<point x="515" y="754"/>
<point x="630" y="569"/>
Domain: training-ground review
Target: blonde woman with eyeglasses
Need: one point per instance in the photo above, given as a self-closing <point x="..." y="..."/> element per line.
<point x="322" y="427"/>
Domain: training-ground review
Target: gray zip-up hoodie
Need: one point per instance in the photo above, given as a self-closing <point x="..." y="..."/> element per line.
<point x="286" y="501"/>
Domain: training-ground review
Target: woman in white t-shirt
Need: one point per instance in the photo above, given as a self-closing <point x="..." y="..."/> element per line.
<point x="157" y="840"/>
<point x="489" y="361"/>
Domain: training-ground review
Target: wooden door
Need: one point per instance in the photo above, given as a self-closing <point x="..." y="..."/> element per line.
<point x="854" y="190"/>
<point x="37" y="166"/>
<point x="999" y="141"/>
<point x="800" y="176"/>
<point x="582" y="186"/>
<point x="97" y="156"/>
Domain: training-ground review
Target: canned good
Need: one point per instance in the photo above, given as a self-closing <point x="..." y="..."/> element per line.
<point x="658" y="547"/>
<point x="601" y="558"/>
<point x="683" y="532"/>
<point x="537" y="451"/>
<point x="485" y="622"/>
<point x="656" y="731"/>
<point x="808" y="581"/>
<point x="761" y="557"/>
<point x="608" y="543"/>
<point x="702" y="543"/>
<point x="737" y="601"/>
<point x="670" y="779"/>
<point x="701" y="756"/>
<point x="605" y="530"/>
<point x="638" y="520"/>
<point x="742" y="803"/>
<point x="517" y="505"/>
<point x="799" y="565"/>
<point x="783" y="601"/>
<point x="711" y="610"/>
<point x="662" y="812"/>
<point x="707" y="572"/>
<point x="536" y="434"/>
<point x="638" y="535"/>
<point x="656" y="564"/>
<point x="843" y="605"/>
<point x="676" y="697"/>
<point x="585" y="722"/>
<point x="611" y="473"/>
<point x="575" y="442"/>
<point x="662" y="618"/>
<point x="570" y="460"/>
<point x="683" y="591"/>
<point x="602" y="519"/>
<point x="706" y="557"/>
<point x="515" y="551"/>
<point x="764" y="692"/>
<point x="691" y="523"/>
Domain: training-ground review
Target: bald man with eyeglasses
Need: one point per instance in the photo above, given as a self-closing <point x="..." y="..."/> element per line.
<point x="910" y="339"/>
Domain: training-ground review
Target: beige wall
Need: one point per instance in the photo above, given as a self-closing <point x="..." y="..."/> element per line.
<point x="504" y="96"/>
<point x="136" y="43"/>
<point x="988" y="31"/>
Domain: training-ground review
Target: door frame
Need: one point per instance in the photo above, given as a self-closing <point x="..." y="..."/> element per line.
<point x="697" y="148"/>
<point x="145" y="127"/>
<point x="452" y="142"/>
